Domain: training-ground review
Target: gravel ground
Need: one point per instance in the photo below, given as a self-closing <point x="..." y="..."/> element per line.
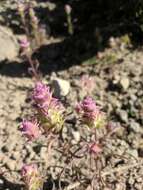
<point x="118" y="88"/>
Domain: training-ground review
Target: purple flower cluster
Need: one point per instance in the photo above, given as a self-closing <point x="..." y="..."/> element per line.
<point x="28" y="170"/>
<point x="49" y="113"/>
<point x="30" y="129"/>
<point x="41" y="95"/>
<point x="90" y="113"/>
<point x="49" y="109"/>
<point x="89" y="108"/>
<point x="31" y="177"/>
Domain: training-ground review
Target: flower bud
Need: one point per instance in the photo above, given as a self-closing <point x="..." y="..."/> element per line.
<point x="34" y="18"/>
<point x="20" y="7"/>
<point x="24" y="44"/>
<point x="68" y="9"/>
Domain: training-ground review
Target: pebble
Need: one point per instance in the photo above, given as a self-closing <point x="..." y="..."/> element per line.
<point x="43" y="153"/>
<point x="11" y="164"/>
<point x="64" y="133"/>
<point x="133" y="97"/>
<point x="16" y="155"/>
<point x="136" y="127"/>
<point x="120" y="131"/>
<point x="76" y="136"/>
<point x="133" y="152"/>
<point x="125" y="83"/>
<point x="123" y="115"/>
<point x="61" y="87"/>
<point x="9" y="46"/>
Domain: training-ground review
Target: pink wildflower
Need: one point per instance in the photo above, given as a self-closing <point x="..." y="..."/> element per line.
<point x="87" y="84"/>
<point x="95" y="148"/>
<point x="24" y="43"/>
<point x="28" y="170"/>
<point x="50" y="110"/>
<point x="68" y="9"/>
<point x="31" y="177"/>
<point x="30" y="129"/>
<point x="88" y="108"/>
<point x="90" y="113"/>
<point x="34" y="18"/>
<point x="41" y="95"/>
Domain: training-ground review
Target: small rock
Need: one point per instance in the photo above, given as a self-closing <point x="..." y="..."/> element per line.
<point x="114" y="101"/>
<point x="61" y="87"/>
<point x="9" y="46"/>
<point x="135" y="127"/>
<point x="112" y="42"/>
<point x="11" y="164"/>
<point x="1" y="182"/>
<point x="18" y="165"/>
<point x="8" y="147"/>
<point x="123" y="115"/>
<point x="133" y="97"/>
<point x="120" y="132"/>
<point x="133" y="152"/>
<point x="131" y="180"/>
<point x="16" y="155"/>
<point x="125" y="83"/>
<point x="64" y="133"/>
<point x="43" y="153"/>
<point x="116" y="78"/>
<point x="76" y="136"/>
<point x="120" y="186"/>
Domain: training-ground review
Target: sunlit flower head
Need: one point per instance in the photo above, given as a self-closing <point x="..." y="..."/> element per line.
<point x="30" y="129"/>
<point x="50" y="109"/>
<point x="90" y="113"/>
<point x="29" y="170"/>
<point x="41" y="95"/>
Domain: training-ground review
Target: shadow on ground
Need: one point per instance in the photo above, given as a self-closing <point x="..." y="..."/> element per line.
<point x="94" y="23"/>
<point x="48" y="185"/>
<point x="10" y="185"/>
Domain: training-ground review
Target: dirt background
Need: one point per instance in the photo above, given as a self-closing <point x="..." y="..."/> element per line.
<point x="117" y="69"/>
